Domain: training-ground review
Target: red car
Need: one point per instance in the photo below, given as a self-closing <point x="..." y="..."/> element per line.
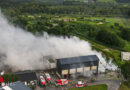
<point x="81" y="84"/>
<point x="48" y="77"/>
<point x="42" y="80"/>
<point x="61" y="82"/>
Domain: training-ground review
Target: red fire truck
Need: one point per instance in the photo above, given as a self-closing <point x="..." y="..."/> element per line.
<point x="48" y="77"/>
<point x="61" y="82"/>
<point x="2" y="81"/>
<point x="42" y="81"/>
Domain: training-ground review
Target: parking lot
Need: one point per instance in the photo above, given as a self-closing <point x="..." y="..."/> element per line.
<point x="104" y="78"/>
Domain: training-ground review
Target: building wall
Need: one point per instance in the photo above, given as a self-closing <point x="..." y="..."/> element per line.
<point x="77" y="68"/>
<point x="125" y="55"/>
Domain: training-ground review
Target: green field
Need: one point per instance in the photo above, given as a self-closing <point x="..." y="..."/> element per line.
<point x="106" y="1"/>
<point x="124" y="87"/>
<point x="122" y="21"/>
<point x="95" y="87"/>
<point x="104" y="21"/>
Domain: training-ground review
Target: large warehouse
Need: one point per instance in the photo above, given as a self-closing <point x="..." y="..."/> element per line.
<point x="77" y="65"/>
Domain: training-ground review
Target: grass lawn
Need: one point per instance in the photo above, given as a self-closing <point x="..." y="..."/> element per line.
<point x="106" y="0"/>
<point x="95" y="87"/>
<point x="124" y="87"/>
<point x="122" y="21"/>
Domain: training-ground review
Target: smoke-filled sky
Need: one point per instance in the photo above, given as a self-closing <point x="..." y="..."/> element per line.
<point x="22" y="50"/>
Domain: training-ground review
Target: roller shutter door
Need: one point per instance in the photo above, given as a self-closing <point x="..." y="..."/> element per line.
<point x="94" y="67"/>
<point x="79" y="69"/>
<point x="64" y="72"/>
<point x="72" y="71"/>
<point x="86" y="68"/>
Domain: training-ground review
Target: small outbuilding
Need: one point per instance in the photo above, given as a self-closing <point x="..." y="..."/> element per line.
<point x="29" y="77"/>
<point x="77" y="65"/>
<point x="125" y="55"/>
<point x="16" y="86"/>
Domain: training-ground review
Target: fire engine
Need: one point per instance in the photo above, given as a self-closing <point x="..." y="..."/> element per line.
<point x="48" y="77"/>
<point x="43" y="82"/>
<point x="81" y="84"/>
<point x="2" y="79"/>
<point x="61" y="82"/>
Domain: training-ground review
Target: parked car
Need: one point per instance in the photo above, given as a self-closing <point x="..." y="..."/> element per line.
<point x="81" y="84"/>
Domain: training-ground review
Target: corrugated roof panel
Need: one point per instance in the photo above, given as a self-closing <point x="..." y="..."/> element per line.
<point x="80" y="59"/>
<point x="26" y="75"/>
<point x="19" y="86"/>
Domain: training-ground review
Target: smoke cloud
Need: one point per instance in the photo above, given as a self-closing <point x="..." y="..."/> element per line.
<point x="22" y="50"/>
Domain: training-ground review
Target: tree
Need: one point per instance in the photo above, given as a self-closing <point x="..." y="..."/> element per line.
<point x="10" y="77"/>
<point x="109" y="38"/>
<point x="126" y="34"/>
<point x="125" y="68"/>
<point x="129" y="13"/>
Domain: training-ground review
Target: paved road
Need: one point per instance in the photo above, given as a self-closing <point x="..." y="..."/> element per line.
<point x="112" y="84"/>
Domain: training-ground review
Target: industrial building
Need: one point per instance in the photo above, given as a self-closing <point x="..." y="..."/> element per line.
<point x="77" y="65"/>
<point x="28" y="77"/>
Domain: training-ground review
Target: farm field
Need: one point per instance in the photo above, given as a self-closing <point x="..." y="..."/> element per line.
<point x="106" y="20"/>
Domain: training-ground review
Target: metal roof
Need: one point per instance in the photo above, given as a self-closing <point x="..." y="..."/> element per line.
<point x="19" y="86"/>
<point x="15" y="86"/>
<point x="26" y="75"/>
<point x="80" y="59"/>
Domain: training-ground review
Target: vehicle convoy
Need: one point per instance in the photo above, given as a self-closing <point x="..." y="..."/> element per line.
<point x="81" y="84"/>
<point x="61" y="82"/>
<point x="48" y="77"/>
<point x="42" y="81"/>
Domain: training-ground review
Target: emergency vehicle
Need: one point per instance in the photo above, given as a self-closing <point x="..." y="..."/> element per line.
<point x="2" y="79"/>
<point x="81" y="84"/>
<point x="48" y="77"/>
<point x="61" y="82"/>
<point x="42" y="81"/>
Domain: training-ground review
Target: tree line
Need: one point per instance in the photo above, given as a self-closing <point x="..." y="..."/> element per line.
<point x="89" y="9"/>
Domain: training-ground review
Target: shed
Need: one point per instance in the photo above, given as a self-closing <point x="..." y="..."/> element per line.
<point x="16" y="86"/>
<point x="26" y="76"/>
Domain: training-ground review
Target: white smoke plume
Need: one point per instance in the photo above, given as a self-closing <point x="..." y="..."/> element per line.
<point x="23" y="50"/>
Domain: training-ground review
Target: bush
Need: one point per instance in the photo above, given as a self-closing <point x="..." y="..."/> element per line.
<point x="10" y="77"/>
<point x="116" y="24"/>
<point x="125" y="68"/>
<point x="126" y="34"/>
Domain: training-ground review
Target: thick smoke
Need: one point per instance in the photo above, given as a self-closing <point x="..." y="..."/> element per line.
<point x="22" y="50"/>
